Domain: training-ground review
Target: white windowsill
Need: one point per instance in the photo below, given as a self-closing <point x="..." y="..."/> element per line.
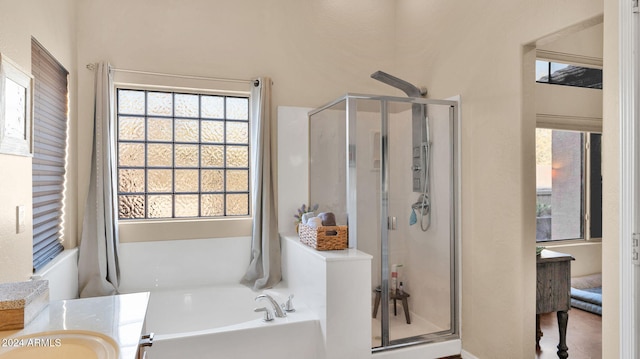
<point x="147" y="231"/>
<point x="570" y="243"/>
<point x="51" y="265"/>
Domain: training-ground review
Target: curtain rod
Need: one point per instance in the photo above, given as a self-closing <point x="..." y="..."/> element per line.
<point x="254" y="82"/>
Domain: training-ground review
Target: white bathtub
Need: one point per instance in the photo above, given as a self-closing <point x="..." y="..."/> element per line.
<point x="197" y="309"/>
<point x="219" y="322"/>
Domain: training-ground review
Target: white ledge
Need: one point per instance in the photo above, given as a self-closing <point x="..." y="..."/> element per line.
<point x="350" y="254"/>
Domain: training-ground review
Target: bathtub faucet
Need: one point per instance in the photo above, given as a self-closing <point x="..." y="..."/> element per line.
<point x="276" y="307"/>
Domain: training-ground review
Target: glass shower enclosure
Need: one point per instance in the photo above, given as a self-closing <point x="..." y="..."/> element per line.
<point x="387" y="167"/>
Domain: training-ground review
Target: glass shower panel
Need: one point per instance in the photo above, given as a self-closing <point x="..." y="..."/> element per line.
<point x="328" y="161"/>
<point x="420" y="293"/>
<point x="364" y="161"/>
<point x="366" y="120"/>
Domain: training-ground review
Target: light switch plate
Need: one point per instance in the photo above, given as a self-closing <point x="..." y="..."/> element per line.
<point x="20" y="220"/>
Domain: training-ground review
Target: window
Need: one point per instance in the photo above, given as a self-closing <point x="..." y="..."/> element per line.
<point x="556" y="73"/>
<point x="50" y="109"/>
<point x="569" y="185"/>
<point x="182" y="155"/>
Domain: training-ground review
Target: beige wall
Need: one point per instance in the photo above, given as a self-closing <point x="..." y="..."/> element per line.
<point x="587" y="255"/>
<point x="476" y="50"/>
<point x="313" y="50"/>
<point x="317" y="50"/>
<point x="53" y="25"/>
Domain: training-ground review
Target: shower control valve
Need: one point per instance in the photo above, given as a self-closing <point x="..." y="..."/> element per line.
<point x="416" y="168"/>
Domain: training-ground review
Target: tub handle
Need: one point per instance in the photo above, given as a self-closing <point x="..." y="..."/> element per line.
<point x="267" y="313"/>
<point x="288" y="306"/>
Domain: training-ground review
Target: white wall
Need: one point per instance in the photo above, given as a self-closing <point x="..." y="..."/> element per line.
<point x="147" y="266"/>
<point x="334" y="285"/>
<point x="53" y="24"/>
<point x="328" y="171"/>
<point x="293" y="164"/>
<point x="62" y="274"/>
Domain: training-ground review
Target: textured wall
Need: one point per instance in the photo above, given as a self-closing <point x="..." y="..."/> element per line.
<point x="476" y="50"/>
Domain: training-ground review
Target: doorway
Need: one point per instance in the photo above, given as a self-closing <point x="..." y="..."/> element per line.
<point x="567" y="103"/>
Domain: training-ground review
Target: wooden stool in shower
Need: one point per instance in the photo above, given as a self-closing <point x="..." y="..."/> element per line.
<point x="395" y="296"/>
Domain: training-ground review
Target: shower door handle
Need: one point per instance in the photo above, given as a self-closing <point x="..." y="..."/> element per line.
<point x="392" y="223"/>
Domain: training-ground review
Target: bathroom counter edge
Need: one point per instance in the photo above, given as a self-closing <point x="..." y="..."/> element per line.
<point x="120" y="317"/>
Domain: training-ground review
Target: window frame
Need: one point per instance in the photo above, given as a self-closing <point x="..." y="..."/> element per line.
<point x="184" y="228"/>
<point x="550" y="72"/>
<point x="586" y="199"/>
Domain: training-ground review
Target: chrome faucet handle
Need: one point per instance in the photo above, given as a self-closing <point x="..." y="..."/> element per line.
<point x="267" y="314"/>
<point x="288" y="306"/>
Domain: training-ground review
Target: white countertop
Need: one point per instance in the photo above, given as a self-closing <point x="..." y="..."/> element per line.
<point x="120" y="317"/>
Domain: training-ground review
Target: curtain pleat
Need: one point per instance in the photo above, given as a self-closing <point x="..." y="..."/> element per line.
<point x="98" y="257"/>
<point x="264" y="269"/>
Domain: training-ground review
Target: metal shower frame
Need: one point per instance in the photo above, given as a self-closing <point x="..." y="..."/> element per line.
<point x="350" y="100"/>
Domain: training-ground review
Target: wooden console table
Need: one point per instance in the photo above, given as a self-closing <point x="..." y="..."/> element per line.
<point x="553" y="293"/>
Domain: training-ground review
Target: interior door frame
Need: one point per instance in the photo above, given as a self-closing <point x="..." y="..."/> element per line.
<point x="629" y="86"/>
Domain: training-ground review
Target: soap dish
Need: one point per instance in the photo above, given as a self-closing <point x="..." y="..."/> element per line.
<point x="20" y="302"/>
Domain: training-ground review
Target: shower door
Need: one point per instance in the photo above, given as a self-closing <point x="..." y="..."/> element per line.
<point x="364" y="147"/>
<point x="413" y="276"/>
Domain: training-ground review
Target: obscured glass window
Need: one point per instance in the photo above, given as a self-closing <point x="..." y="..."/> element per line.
<point x="182" y="155"/>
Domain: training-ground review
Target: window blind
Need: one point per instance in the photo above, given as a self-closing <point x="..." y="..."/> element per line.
<point x="50" y="97"/>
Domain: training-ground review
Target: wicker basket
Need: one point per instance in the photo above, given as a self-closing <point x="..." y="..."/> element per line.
<point x="324" y="238"/>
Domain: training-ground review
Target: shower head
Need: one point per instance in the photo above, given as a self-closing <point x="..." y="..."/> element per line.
<point x="409" y="89"/>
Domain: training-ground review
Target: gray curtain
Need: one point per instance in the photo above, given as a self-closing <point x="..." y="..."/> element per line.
<point x="264" y="269"/>
<point x="98" y="271"/>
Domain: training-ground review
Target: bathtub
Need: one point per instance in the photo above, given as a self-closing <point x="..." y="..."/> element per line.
<point x="220" y="322"/>
<point x="197" y="309"/>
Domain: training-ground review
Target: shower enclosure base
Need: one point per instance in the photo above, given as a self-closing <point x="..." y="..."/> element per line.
<point x="399" y="329"/>
<point x="439" y="349"/>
